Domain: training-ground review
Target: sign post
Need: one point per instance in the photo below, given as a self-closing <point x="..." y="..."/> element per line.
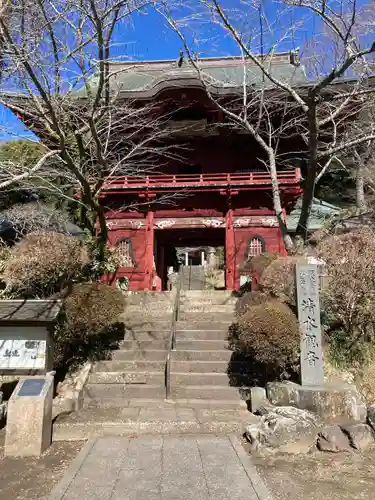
<point x="312" y="368"/>
<point x="26" y="348"/>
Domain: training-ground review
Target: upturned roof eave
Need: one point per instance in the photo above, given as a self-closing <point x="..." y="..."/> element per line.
<point x="191" y="83"/>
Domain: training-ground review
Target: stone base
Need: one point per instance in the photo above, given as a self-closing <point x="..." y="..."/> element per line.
<point x="29" y="420"/>
<point x="330" y="402"/>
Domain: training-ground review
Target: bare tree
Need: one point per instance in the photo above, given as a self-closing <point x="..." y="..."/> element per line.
<point x="318" y="110"/>
<point x="59" y="80"/>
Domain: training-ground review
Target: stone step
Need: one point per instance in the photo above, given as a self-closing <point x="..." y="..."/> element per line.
<point x="203" y="317"/>
<point x="144" y="344"/>
<point x="167" y="419"/>
<point x="144" y="325"/>
<point x="127" y="377"/>
<point x="123" y="392"/>
<point x="206" y="293"/>
<point x="214" y="301"/>
<point x="191" y="379"/>
<point x="206" y="309"/>
<point x="205" y="392"/>
<point x="141" y="366"/>
<point x="202" y="324"/>
<point x="149" y="355"/>
<point x="145" y="296"/>
<point x="147" y="335"/>
<point x="155" y="313"/>
<point x="161" y="403"/>
<point x="199" y="366"/>
<point x="201" y="345"/>
<point x="151" y="306"/>
<point x="191" y="355"/>
<point x="201" y="334"/>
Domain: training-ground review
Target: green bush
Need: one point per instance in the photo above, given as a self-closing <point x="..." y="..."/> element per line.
<point x="269" y="334"/>
<point x="249" y="299"/>
<point x="43" y="263"/>
<point x="90" y="325"/>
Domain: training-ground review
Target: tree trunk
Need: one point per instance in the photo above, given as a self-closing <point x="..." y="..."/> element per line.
<point x="288" y="242"/>
<point x="309" y="187"/>
<point x="360" y="190"/>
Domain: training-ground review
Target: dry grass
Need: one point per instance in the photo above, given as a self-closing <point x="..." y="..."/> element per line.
<point x="278" y="279"/>
<point x="42" y="262"/>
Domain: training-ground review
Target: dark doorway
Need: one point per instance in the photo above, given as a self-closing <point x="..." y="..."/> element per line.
<point x="171" y="246"/>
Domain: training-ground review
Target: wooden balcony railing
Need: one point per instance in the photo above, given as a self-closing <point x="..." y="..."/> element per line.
<point x="156" y="181"/>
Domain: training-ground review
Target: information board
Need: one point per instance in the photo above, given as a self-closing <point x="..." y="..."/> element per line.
<point x="23" y="354"/>
<point x="32" y="387"/>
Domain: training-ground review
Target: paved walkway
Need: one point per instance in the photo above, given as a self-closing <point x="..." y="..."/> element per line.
<point x="201" y="467"/>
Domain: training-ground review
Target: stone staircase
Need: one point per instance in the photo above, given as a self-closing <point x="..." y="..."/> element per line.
<point x="201" y="356"/>
<point x="137" y="369"/>
<point x="193" y="278"/>
<point x="126" y="395"/>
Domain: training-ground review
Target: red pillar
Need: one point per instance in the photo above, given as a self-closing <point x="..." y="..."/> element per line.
<point x="229" y="252"/>
<point x="149" y="254"/>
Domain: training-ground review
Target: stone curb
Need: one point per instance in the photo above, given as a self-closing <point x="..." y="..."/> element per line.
<point x="73" y="396"/>
<point x="257" y="482"/>
<point x="59" y="491"/>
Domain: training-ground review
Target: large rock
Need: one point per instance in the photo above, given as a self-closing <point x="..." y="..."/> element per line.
<point x="330" y="402"/>
<point x="331" y="438"/>
<point x="285" y="429"/>
<point x="371" y="416"/>
<point x="258" y="398"/>
<point x="360" y="436"/>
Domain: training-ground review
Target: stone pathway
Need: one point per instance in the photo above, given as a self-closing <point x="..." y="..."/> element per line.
<point x="201" y="467"/>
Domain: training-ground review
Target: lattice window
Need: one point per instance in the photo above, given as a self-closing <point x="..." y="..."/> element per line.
<point x="255" y="247"/>
<point x="125" y="253"/>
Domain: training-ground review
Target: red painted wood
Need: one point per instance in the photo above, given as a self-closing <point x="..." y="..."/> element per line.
<point x="270" y="235"/>
<point x="229" y="252"/>
<point x="291" y="177"/>
<point x="149" y="259"/>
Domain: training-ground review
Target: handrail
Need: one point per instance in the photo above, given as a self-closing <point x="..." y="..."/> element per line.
<point x="172" y="337"/>
<point x="159" y="180"/>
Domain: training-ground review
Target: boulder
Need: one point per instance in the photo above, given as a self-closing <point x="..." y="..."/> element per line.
<point x="282" y="427"/>
<point x="331" y="438"/>
<point x="371" y="416"/>
<point x="360" y="436"/>
<point x="3" y="411"/>
<point x="330" y="401"/>
<point x="258" y="398"/>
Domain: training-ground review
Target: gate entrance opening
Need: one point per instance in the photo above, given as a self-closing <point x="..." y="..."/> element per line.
<point x="188" y="247"/>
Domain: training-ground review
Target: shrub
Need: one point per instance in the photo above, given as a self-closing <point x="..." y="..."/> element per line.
<point x="249" y="299"/>
<point x="269" y="334"/>
<point x="42" y="263"/>
<point x="89" y="326"/>
<point x="278" y="279"/>
<point x="348" y="300"/>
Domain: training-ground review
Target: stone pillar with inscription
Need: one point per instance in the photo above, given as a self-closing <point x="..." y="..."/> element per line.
<point x="331" y="401"/>
<point x="29" y="418"/>
<point x="312" y="368"/>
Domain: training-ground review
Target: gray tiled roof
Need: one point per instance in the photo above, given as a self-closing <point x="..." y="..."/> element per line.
<point x="29" y="311"/>
<point x="321" y="211"/>
<point x="221" y="74"/>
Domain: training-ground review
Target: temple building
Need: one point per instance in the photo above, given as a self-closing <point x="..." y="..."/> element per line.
<point x="221" y="191"/>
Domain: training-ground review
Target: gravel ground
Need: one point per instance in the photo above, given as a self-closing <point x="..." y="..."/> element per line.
<point x="320" y="476"/>
<point x="31" y="478"/>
